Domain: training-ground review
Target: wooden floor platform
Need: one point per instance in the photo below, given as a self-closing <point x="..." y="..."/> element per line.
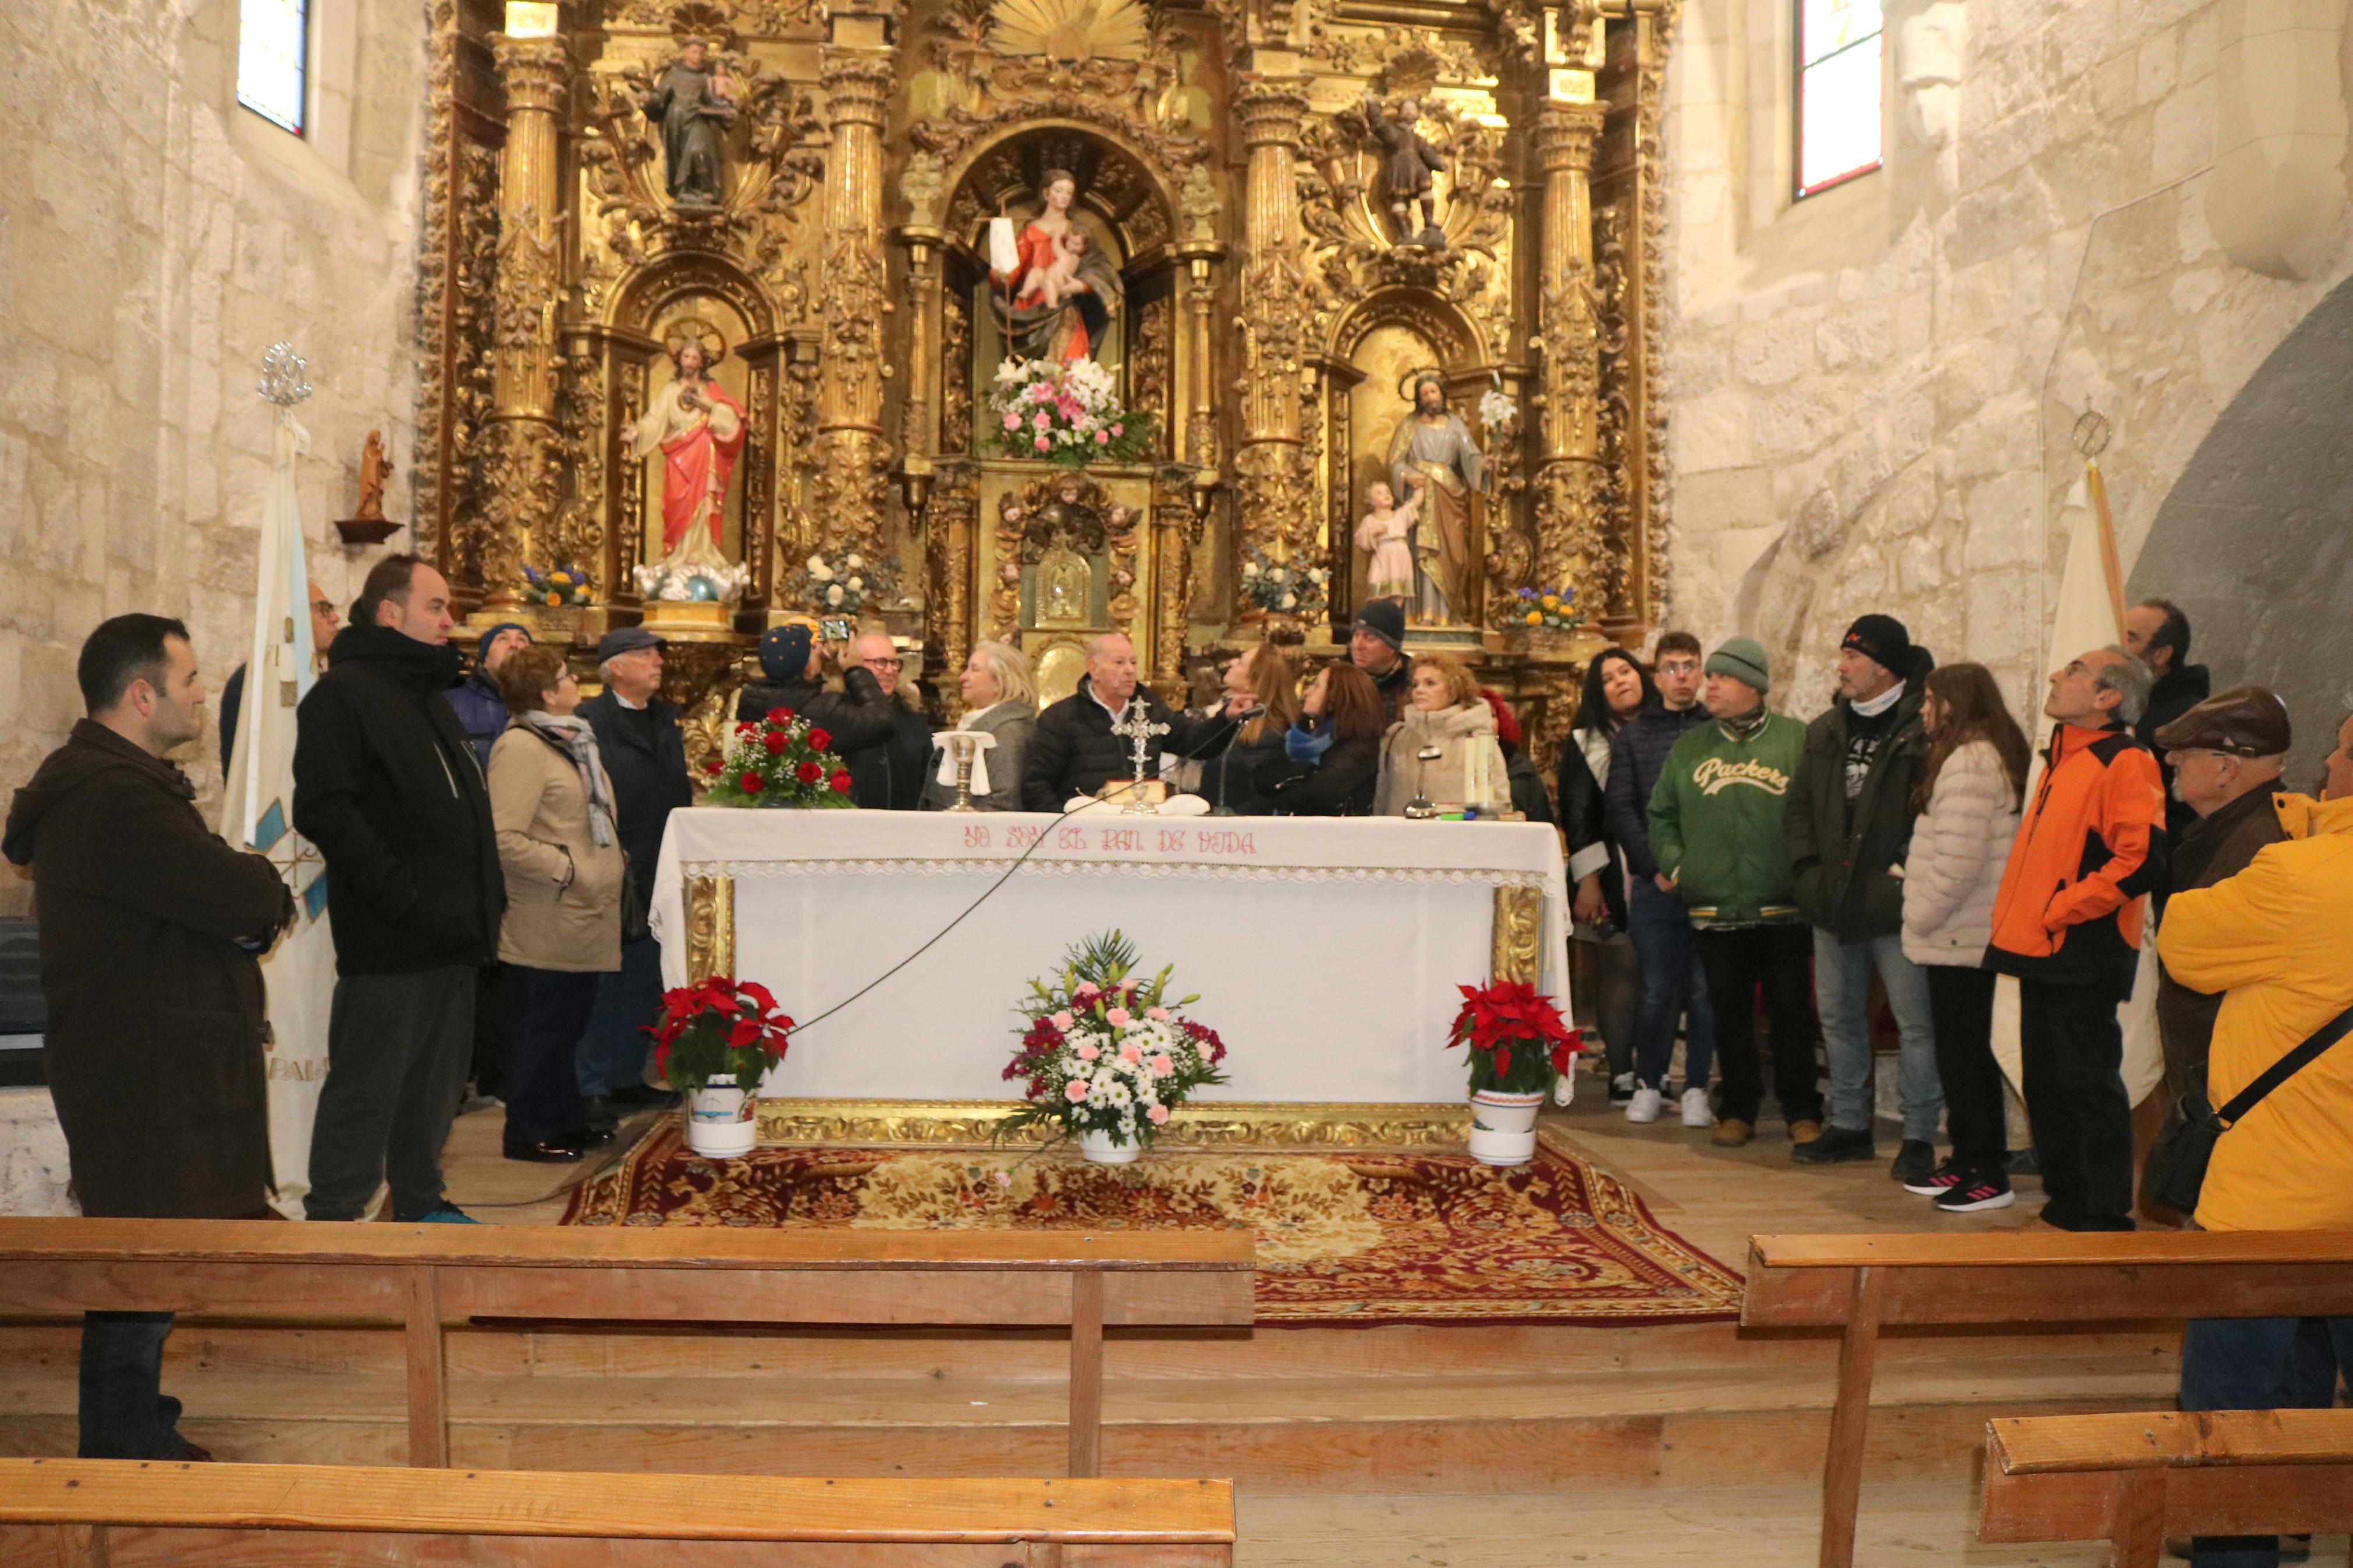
<point x="1332" y="1434"/>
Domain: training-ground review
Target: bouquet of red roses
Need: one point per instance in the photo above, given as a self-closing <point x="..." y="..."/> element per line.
<point x="781" y="760"/>
<point x="719" y="1026"/>
<point x="1519" y="1042"/>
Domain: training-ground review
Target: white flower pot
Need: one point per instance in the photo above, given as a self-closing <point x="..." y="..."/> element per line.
<point x="1504" y="1127"/>
<point x="719" y="1125"/>
<point x="1101" y="1150"/>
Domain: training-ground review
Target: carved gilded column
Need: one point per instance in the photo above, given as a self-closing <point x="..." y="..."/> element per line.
<point x="1568" y="503"/>
<point x="1269" y="463"/>
<point x="1176" y="527"/>
<point x="852" y="460"/>
<point x="1196" y="440"/>
<point x="522" y="455"/>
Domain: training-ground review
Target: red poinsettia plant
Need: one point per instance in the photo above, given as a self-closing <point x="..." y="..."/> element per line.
<point x="719" y="1025"/>
<point x="780" y="759"/>
<point x="1519" y="1042"/>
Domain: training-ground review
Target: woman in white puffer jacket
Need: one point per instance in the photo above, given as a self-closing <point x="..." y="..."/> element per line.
<point x="1969" y="801"/>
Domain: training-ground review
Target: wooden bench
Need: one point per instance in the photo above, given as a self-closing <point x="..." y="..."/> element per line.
<point x="118" y="1513"/>
<point x="1863" y="1283"/>
<point x="2133" y="1480"/>
<point x="426" y="1275"/>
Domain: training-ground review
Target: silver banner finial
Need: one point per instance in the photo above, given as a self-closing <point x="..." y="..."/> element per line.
<point x="283" y="380"/>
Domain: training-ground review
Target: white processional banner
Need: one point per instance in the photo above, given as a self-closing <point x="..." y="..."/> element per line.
<point x="2089" y="614"/>
<point x="257" y="813"/>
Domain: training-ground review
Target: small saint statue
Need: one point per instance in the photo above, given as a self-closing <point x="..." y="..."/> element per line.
<point x="693" y="103"/>
<point x="1386" y="534"/>
<point x="1411" y="162"/>
<point x="373" y="469"/>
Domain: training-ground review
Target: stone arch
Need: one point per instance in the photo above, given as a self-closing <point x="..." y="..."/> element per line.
<point x="2255" y="538"/>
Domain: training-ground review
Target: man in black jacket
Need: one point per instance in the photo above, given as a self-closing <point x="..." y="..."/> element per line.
<point x="645" y="755"/>
<point x="792" y="674"/>
<point x="1849" y="825"/>
<point x="149" y="926"/>
<point x="1376" y="647"/>
<point x="2157" y="633"/>
<point x="889" y="775"/>
<point x="1074" y="751"/>
<point x="1672" y="984"/>
<point x="386" y="787"/>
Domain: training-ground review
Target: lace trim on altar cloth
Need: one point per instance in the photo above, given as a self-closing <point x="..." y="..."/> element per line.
<point x="911" y="866"/>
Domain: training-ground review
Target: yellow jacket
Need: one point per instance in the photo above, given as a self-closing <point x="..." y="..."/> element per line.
<point x="2278" y="938"/>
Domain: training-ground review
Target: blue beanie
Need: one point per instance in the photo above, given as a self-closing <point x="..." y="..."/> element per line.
<point x="785" y="652"/>
<point x="482" y="642"/>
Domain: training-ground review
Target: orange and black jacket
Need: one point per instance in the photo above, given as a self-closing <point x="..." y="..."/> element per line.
<point x="2091" y="850"/>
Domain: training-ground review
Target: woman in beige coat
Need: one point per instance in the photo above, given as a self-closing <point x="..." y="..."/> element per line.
<point x="553" y="807"/>
<point x="1451" y="721"/>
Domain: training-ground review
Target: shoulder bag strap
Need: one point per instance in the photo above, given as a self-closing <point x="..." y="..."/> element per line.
<point x="2280" y="1071"/>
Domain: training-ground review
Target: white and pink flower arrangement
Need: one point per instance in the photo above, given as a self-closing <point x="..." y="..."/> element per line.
<point x="1067" y="415"/>
<point x="1107" y="1057"/>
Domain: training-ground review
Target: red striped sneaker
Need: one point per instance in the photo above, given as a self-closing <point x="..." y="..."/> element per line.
<point x="1977" y="1193"/>
<point x="1937" y="1182"/>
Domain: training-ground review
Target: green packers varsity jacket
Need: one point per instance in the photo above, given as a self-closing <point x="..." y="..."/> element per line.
<point x="1717" y="821"/>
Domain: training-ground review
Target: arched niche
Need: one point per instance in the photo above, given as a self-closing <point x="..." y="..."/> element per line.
<point x="1375" y="350"/>
<point x="2254" y="541"/>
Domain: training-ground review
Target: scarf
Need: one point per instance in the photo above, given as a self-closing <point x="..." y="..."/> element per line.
<point x="1746" y="726"/>
<point x="1879" y="704"/>
<point x="571" y="735"/>
<point x="1307" y="741"/>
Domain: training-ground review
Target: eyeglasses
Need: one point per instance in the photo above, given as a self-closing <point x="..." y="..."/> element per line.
<point x="1679" y="666"/>
<point x="885" y="663"/>
<point x="323" y="607"/>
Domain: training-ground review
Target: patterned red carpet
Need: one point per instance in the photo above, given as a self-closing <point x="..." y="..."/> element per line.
<point x="1344" y="1236"/>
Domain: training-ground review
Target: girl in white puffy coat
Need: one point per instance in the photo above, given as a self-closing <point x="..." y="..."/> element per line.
<point x="1968" y="815"/>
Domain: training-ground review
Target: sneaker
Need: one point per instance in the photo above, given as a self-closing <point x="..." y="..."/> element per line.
<point x="1937" y="1182"/>
<point x="1695" y="1110"/>
<point x="1621" y="1089"/>
<point x="1804" y="1132"/>
<point x="448" y="1213"/>
<point x="1915" y="1161"/>
<point x="1836" y="1146"/>
<point x="1732" y="1132"/>
<point x="1976" y="1194"/>
<point x="1644" y="1106"/>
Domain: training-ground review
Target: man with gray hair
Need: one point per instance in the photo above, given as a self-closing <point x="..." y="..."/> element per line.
<point x="2067" y="923"/>
<point x="645" y="755"/>
<point x="1073" y="751"/>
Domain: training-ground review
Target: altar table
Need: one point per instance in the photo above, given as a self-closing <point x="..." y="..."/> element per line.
<point x="1325" y="950"/>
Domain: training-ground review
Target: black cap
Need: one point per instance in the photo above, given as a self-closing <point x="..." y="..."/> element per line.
<point x="1883" y="640"/>
<point x="625" y="639"/>
<point x="1385" y="618"/>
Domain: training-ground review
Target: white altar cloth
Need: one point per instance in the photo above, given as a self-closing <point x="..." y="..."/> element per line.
<point x="1325" y="950"/>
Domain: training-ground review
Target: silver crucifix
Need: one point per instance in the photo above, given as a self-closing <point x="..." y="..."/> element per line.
<point x="1137" y="727"/>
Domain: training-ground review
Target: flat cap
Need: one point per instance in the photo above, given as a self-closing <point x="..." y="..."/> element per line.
<point x="2246" y="722"/>
<point x="625" y="639"/>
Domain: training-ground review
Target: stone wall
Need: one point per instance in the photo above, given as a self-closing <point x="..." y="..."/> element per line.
<point x="1870" y="390"/>
<point x="154" y="239"/>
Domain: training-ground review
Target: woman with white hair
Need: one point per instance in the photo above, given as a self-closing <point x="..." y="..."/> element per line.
<point x="1000" y="698"/>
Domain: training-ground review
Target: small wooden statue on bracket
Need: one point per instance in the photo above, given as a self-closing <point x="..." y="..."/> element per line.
<point x="368" y="524"/>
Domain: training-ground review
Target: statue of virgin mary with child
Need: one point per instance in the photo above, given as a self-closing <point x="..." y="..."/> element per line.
<point x="1056" y="291"/>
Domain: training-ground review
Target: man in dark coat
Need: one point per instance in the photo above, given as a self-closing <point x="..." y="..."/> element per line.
<point x="645" y="755"/>
<point x="792" y="672"/>
<point x="1376" y="647"/>
<point x="150" y="926"/>
<point x="2226" y="754"/>
<point x="482" y="712"/>
<point x="1849" y="825"/>
<point x="388" y="790"/>
<point x="1074" y="751"/>
<point x="2158" y="633"/>
<point x="1672" y="984"/>
<point x="889" y="775"/>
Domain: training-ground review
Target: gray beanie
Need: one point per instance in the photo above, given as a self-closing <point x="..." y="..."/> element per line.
<point x="1743" y="659"/>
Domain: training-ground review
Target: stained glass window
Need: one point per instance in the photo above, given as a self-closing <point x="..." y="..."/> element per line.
<point x="273" y="58"/>
<point x="1837" y="91"/>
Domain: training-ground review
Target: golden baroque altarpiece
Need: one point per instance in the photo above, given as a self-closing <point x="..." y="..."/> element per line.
<point x="815" y="203"/>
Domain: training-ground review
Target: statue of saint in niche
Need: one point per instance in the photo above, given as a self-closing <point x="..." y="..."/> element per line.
<point x="1408" y="161"/>
<point x="1062" y="583"/>
<point x="1055" y="291"/>
<point x="699" y="430"/>
<point x="1433" y="445"/>
<point x="694" y="103"/>
<point x="1065" y="532"/>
